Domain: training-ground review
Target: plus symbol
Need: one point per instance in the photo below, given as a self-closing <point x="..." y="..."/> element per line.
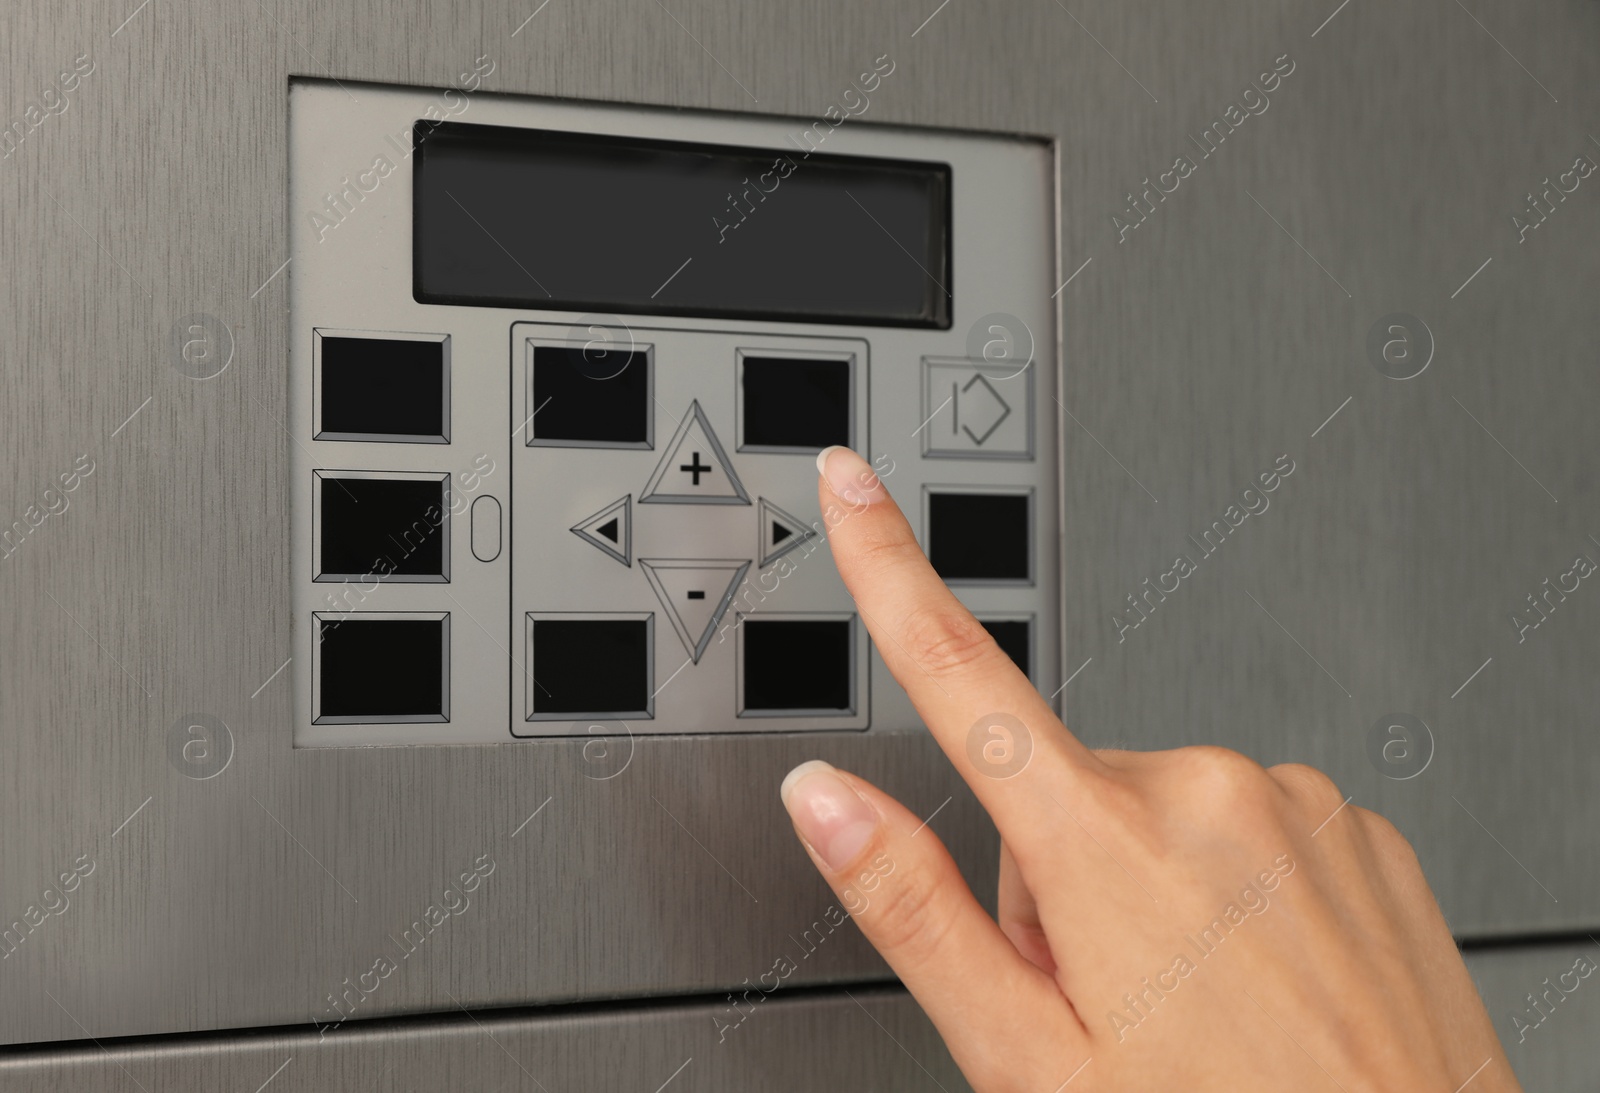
<point x="694" y="467"/>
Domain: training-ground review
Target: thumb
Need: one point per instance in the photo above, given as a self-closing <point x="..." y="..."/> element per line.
<point x="908" y="897"/>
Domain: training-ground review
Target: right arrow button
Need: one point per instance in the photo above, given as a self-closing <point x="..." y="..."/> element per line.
<point x="781" y="531"/>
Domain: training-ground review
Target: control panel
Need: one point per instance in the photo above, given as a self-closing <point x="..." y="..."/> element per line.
<point x="559" y="376"/>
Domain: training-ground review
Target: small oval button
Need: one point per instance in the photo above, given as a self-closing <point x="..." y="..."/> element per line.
<point x="486" y="529"/>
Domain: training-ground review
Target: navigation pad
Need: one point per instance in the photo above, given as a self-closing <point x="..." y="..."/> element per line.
<point x="668" y="555"/>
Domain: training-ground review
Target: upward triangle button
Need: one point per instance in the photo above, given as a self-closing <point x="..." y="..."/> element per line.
<point x="695" y="469"/>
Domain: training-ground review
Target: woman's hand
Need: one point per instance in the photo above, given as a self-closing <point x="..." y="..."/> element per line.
<point x="1179" y="920"/>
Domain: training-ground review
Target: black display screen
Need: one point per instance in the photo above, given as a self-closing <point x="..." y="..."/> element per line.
<point x="533" y="218"/>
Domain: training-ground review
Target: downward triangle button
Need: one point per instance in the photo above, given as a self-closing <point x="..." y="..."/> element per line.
<point x="695" y="592"/>
<point x="781" y="531"/>
<point x="610" y="529"/>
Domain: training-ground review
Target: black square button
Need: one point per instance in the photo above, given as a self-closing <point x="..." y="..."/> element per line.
<point x="392" y="527"/>
<point x="1015" y="638"/>
<point x="589" y="666"/>
<point x="590" y="398"/>
<point x="383" y="389"/>
<point x="795" y="404"/>
<point x="981" y="538"/>
<point x="382" y="668"/>
<point x="798" y="666"/>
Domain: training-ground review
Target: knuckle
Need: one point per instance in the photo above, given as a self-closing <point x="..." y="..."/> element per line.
<point x="878" y="548"/>
<point x="1225" y="777"/>
<point x="1230" y="796"/>
<point x="1307" y="784"/>
<point x="1386" y="838"/>
<point x="913" y="918"/>
<point x="945" y="640"/>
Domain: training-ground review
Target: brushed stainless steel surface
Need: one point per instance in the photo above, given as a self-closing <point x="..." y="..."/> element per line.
<point x="873" y="1038"/>
<point x="870" y="1038"/>
<point x="1551" y="1045"/>
<point x="1230" y="328"/>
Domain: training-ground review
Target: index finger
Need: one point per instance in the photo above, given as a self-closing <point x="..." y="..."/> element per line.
<point x="948" y="664"/>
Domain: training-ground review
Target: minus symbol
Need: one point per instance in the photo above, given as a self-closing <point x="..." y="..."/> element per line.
<point x="697" y="594"/>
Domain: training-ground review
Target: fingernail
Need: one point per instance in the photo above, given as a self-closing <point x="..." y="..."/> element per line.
<point x="829" y="815"/>
<point x="849" y="476"/>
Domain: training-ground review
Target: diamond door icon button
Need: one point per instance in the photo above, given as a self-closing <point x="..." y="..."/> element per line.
<point x="989" y="413"/>
<point x="975" y="410"/>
